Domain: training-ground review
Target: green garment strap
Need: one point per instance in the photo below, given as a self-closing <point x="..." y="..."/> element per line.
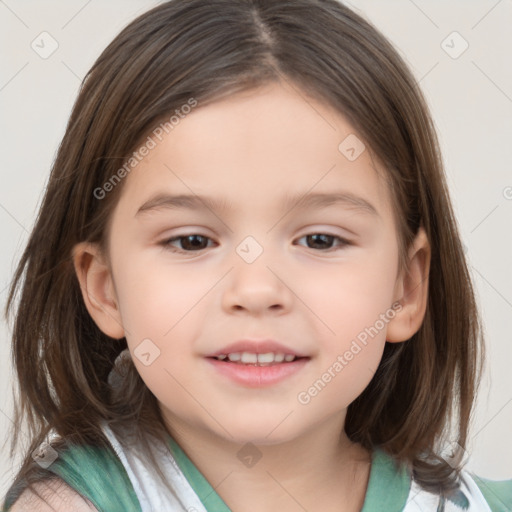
<point x="99" y="476"/>
<point x="388" y="485"/>
<point x="205" y="492"/>
<point x="497" y="494"/>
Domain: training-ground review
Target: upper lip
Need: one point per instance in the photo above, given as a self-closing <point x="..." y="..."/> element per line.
<point x="256" y="347"/>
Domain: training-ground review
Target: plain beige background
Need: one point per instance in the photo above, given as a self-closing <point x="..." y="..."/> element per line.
<point x="468" y="89"/>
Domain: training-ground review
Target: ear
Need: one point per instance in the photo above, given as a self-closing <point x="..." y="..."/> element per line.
<point x="411" y="291"/>
<point x="97" y="286"/>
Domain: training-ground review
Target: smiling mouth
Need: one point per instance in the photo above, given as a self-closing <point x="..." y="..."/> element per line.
<point x="252" y="359"/>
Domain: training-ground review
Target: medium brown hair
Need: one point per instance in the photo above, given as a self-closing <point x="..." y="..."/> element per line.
<point x="206" y="50"/>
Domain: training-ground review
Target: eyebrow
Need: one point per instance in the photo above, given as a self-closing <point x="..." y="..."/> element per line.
<point x="304" y="201"/>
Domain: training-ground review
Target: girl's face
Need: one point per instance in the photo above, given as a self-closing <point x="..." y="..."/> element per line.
<point x="318" y="277"/>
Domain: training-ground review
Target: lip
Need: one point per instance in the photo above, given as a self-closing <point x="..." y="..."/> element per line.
<point x="257" y="347"/>
<point x="254" y="376"/>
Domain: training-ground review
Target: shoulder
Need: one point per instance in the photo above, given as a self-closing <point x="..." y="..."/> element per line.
<point x="77" y="477"/>
<point x="497" y="494"/>
<point x="52" y="495"/>
<point x="473" y="494"/>
<point x="96" y="473"/>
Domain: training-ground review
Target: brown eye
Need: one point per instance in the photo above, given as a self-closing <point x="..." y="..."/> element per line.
<point x="189" y="243"/>
<point x="323" y="241"/>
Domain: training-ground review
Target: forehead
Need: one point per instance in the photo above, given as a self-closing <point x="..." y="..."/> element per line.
<point x="261" y="148"/>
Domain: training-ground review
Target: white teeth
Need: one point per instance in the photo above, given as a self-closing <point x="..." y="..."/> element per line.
<point x="251" y="358"/>
<point x="247" y="357"/>
<point x="265" y="358"/>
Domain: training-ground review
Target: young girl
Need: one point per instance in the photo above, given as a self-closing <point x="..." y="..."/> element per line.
<point x="245" y="289"/>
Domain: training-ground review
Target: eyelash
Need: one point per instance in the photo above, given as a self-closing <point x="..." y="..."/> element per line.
<point x="167" y="243"/>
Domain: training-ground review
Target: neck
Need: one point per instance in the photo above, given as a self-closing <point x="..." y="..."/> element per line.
<point x="319" y="470"/>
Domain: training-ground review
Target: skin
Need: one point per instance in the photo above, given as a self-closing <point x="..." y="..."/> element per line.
<point x="251" y="149"/>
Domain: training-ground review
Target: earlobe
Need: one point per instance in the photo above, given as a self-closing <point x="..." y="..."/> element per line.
<point x="96" y="284"/>
<point x="412" y="291"/>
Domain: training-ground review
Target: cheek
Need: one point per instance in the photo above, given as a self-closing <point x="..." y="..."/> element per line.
<point x="353" y="307"/>
<point x="352" y="335"/>
<point x="340" y="382"/>
<point x="153" y="300"/>
<point x="349" y="297"/>
<point x="161" y="310"/>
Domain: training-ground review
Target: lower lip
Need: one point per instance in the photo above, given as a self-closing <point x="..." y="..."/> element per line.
<point x="258" y="376"/>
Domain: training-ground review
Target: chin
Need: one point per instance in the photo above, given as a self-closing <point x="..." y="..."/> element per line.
<point x="261" y="433"/>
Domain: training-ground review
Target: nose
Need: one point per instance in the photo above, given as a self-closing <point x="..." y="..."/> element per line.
<point x="256" y="288"/>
